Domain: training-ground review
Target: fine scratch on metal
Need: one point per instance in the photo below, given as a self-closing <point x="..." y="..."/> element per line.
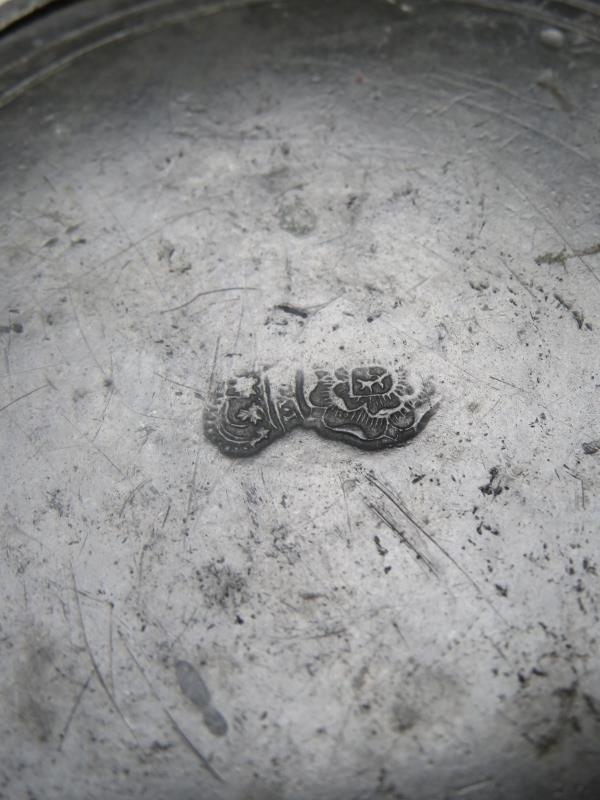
<point x="132" y="494"/>
<point x="111" y="392"/>
<point x="23" y="396"/>
<point x="478" y="83"/>
<point x="84" y="338"/>
<point x="522" y="10"/>
<point x="194" y="389"/>
<point x="527" y="126"/>
<point x="78" y="698"/>
<point x="214" y="364"/>
<point x="402" y="537"/>
<point x="525" y="196"/>
<point x="94" y="663"/>
<point x="207" y="292"/>
<point x="93" y="445"/>
<point x="385" y="490"/>
<point x="347" y="510"/>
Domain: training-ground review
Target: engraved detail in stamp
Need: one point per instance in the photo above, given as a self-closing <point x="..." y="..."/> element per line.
<point x="369" y="407"/>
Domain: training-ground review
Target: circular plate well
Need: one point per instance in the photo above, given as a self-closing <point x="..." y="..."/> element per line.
<point x="192" y="192"/>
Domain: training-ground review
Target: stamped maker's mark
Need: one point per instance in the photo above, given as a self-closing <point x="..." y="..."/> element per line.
<point x="369" y="407"/>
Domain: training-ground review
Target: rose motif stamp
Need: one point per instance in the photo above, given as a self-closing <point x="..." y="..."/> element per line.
<point x="369" y="407"/>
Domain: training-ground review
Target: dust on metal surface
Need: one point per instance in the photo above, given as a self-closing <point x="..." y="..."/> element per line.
<point x="191" y="192"/>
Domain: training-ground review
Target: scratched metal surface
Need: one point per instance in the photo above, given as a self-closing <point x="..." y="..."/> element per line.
<point x="415" y="182"/>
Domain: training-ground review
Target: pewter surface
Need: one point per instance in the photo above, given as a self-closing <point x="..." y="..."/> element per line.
<point x="336" y="184"/>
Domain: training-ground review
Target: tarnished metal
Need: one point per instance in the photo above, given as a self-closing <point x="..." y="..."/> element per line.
<point x="369" y="407"/>
<point x="194" y="192"/>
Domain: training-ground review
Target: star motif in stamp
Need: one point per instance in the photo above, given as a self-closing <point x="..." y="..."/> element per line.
<point x="252" y="414"/>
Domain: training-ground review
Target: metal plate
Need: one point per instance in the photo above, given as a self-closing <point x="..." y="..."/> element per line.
<point x="189" y="191"/>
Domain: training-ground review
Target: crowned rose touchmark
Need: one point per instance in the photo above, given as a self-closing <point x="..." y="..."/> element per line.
<point x="370" y="407"/>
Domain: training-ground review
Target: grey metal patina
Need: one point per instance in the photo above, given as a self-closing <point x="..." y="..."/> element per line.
<point x="189" y="191"/>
